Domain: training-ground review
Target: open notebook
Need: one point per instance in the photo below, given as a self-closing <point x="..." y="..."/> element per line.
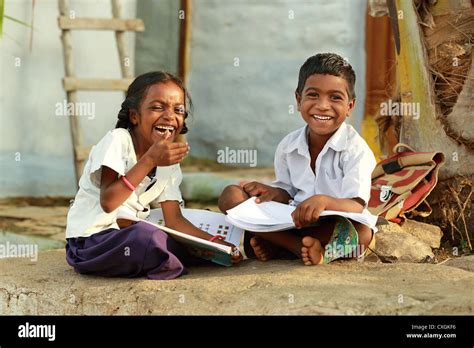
<point x="210" y="222"/>
<point x="274" y="216"/>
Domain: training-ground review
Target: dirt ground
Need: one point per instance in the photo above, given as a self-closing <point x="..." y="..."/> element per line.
<point x="50" y="286"/>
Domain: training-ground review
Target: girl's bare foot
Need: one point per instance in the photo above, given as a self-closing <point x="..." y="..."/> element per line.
<point x="263" y="249"/>
<point x="311" y="251"/>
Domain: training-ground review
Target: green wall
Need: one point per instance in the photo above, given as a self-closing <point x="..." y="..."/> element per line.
<point x="157" y="47"/>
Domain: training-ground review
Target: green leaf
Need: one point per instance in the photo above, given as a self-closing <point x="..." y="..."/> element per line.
<point x="2" y="3"/>
<point x="17" y="21"/>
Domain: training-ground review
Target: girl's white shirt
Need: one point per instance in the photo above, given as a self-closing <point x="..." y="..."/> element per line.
<point x="115" y="150"/>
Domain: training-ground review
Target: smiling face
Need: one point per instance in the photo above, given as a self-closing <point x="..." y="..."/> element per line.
<point x="161" y="115"/>
<point x="324" y="104"/>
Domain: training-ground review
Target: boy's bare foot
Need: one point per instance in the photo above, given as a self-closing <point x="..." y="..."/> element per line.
<point x="311" y="251"/>
<point x="263" y="249"/>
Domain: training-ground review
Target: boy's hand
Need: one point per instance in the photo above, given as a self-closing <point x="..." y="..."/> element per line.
<point x="264" y="193"/>
<point x="165" y="153"/>
<point x="308" y="211"/>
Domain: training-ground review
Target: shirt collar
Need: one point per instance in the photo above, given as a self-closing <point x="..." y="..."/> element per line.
<point x="299" y="142"/>
<point x="337" y="141"/>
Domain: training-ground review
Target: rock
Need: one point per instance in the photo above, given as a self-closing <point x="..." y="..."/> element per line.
<point x="465" y="263"/>
<point x="391" y="227"/>
<point x="411" y="242"/>
<point x="396" y="246"/>
<point x="50" y="287"/>
<point x="428" y="234"/>
<point x="372" y="258"/>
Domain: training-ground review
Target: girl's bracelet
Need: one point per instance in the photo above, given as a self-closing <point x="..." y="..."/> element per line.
<point x="216" y="238"/>
<point x="127" y="183"/>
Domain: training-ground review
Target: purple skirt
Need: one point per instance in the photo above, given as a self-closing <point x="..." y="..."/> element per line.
<point x="137" y="250"/>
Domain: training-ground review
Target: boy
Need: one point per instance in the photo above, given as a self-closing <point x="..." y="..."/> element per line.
<point x="326" y="165"/>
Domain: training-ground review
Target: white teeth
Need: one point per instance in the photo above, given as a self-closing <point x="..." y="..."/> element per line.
<point x="164" y="131"/>
<point x="164" y="128"/>
<point x="322" y="118"/>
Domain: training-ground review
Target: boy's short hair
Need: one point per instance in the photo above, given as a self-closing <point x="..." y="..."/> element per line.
<point x="327" y="64"/>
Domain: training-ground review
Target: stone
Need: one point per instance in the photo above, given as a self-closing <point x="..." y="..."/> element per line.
<point x="428" y="234"/>
<point x="398" y="246"/>
<point x="411" y="242"/>
<point x="391" y="227"/>
<point x="465" y="263"/>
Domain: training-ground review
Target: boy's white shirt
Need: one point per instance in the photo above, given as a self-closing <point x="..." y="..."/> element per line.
<point x="343" y="168"/>
<point x="115" y="150"/>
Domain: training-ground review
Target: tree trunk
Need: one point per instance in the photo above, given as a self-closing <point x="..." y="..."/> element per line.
<point x="436" y="70"/>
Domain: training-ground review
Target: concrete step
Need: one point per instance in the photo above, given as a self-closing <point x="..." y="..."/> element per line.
<point x="207" y="186"/>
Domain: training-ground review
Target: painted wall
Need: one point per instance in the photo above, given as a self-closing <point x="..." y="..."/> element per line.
<point x="35" y="143"/>
<point x="157" y="47"/>
<point x="240" y="106"/>
<point x="245" y="59"/>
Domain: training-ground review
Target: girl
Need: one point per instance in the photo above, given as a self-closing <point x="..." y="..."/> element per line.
<point x="134" y="165"/>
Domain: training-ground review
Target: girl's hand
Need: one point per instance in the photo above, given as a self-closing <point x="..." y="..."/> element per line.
<point x="165" y="153"/>
<point x="308" y="211"/>
<point x="264" y="193"/>
<point x="208" y="254"/>
<point x="236" y="255"/>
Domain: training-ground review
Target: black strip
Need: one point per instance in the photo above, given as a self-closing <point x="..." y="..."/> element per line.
<point x="341" y="331"/>
<point x="391" y="167"/>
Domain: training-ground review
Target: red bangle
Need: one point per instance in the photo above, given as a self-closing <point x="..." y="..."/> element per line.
<point x="128" y="183"/>
<point x="215" y="238"/>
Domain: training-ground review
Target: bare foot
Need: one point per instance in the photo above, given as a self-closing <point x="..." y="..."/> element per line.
<point x="263" y="249"/>
<point x="311" y="251"/>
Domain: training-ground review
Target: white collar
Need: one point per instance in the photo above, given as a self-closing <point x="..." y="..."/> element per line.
<point x="337" y="141"/>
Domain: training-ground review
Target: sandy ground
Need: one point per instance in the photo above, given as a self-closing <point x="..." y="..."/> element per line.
<point x="50" y="286"/>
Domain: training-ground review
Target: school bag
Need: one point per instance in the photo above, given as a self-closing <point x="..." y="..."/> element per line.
<point x="401" y="183"/>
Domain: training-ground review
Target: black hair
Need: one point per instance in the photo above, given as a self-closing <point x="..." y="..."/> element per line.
<point x="327" y="64"/>
<point x="137" y="91"/>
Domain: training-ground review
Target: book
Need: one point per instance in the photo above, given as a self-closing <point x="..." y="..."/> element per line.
<point x="275" y="216"/>
<point x="208" y="221"/>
